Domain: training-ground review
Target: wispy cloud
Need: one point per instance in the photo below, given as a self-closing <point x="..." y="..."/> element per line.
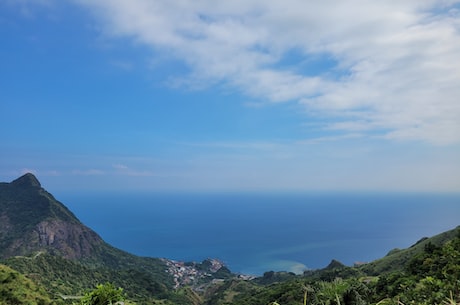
<point x="37" y="172"/>
<point x="122" y="169"/>
<point x="88" y="172"/>
<point x="331" y="138"/>
<point x="115" y="169"/>
<point x="395" y="71"/>
<point x="27" y="8"/>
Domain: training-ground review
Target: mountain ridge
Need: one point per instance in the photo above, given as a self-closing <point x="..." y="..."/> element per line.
<point x="26" y="180"/>
<point x="42" y="238"/>
<point x="40" y="235"/>
<point x="33" y="220"/>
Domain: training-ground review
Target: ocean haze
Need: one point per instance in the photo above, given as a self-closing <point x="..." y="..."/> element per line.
<point x="253" y="233"/>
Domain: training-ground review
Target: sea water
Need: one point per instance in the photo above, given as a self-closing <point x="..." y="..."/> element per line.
<point x="254" y="233"/>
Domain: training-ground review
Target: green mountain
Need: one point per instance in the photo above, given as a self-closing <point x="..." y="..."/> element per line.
<point x="56" y="258"/>
<point x="33" y="220"/>
<point x="396" y="259"/>
<point x="427" y="273"/>
<point x="40" y="237"/>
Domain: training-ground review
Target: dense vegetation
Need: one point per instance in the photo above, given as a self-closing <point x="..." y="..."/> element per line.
<point x="42" y="239"/>
<point x="16" y="289"/>
<point x="63" y="277"/>
<point x="68" y="263"/>
<point x="432" y="276"/>
<point x="104" y="294"/>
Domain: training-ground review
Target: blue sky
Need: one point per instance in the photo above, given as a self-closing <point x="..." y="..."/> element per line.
<point x="232" y="96"/>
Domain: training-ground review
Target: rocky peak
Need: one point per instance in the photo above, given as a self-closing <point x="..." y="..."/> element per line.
<point x="27" y="180"/>
<point x="31" y="220"/>
<point x="335" y="264"/>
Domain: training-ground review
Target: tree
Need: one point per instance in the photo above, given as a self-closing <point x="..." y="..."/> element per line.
<point x="104" y="294"/>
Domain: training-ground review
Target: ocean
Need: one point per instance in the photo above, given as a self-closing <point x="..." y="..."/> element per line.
<point x="254" y="233"/>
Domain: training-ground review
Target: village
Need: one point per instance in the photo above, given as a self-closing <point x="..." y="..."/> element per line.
<point x="193" y="273"/>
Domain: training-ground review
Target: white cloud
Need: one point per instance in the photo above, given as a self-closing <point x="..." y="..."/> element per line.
<point x="397" y="70"/>
<point x="122" y="169"/>
<point x="120" y="166"/>
<point x="88" y="172"/>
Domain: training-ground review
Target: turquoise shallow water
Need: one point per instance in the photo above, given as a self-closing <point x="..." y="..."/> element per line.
<point x="254" y="233"/>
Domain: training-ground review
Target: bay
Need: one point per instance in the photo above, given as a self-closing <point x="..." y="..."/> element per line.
<point x="253" y="233"/>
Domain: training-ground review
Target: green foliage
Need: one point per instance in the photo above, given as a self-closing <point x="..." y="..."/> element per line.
<point x="426" y="273"/>
<point x="397" y="259"/>
<point x="330" y="292"/>
<point x="298" y="291"/>
<point x="286" y="293"/>
<point x="66" y="277"/>
<point x="59" y="275"/>
<point x="429" y="274"/>
<point x="334" y="270"/>
<point x="16" y="289"/>
<point x="271" y="277"/>
<point x="103" y="294"/>
<point x="430" y="277"/>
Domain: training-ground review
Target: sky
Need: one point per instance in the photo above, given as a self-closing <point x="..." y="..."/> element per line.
<point x="151" y="95"/>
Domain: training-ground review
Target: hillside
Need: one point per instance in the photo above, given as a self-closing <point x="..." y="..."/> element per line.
<point x="39" y="236"/>
<point x="396" y="259"/>
<point x="427" y="273"/>
<point x="47" y="246"/>
<point x="16" y="289"/>
<point x="33" y="220"/>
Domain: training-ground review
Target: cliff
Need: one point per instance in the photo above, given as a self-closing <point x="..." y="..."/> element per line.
<point x="32" y="220"/>
<point x="40" y="236"/>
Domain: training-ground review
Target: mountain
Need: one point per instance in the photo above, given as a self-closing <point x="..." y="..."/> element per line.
<point x="426" y="273"/>
<point x="43" y="240"/>
<point x="396" y="259"/>
<point x="40" y="236"/>
<point x="33" y="220"/>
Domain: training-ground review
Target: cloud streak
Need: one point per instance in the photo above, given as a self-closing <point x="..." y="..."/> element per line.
<point x="396" y="70"/>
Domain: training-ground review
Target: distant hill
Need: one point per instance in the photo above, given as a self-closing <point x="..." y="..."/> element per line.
<point x="396" y="259"/>
<point x="426" y="273"/>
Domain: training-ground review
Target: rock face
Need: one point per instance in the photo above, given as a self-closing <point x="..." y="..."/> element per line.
<point x="32" y="220"/>
<point x="72" y="241"/>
